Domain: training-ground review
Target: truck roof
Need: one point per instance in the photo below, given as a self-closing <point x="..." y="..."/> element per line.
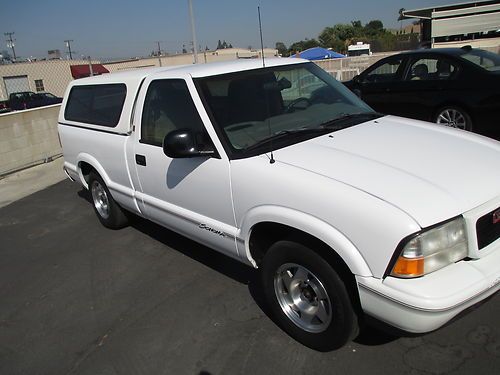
<point x="195" y="70"/>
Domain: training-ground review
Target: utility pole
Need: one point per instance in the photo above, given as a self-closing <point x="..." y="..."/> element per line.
<point x="193" y="31"/>
<point x="159" y="51"/>
<point x="10" y="43"/>
<point x="68" y="44"/>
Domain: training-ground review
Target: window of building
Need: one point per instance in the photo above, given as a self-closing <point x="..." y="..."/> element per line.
<point x="96" y="104"/>
<point x="39" y="85"/>
<point x="168" y="106"/>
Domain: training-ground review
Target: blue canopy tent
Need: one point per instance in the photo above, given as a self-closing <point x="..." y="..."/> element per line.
<point x="318" y="53"/>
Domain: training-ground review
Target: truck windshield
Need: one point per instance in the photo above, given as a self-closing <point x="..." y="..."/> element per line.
<point x="251" y="107"/>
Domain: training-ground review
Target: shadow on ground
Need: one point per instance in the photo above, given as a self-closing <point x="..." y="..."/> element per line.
<point x="373" y="332"/>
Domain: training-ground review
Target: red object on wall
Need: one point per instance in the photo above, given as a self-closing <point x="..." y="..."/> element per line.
<point x="82" y="71"/>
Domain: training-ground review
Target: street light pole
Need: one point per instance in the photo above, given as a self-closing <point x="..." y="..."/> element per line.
<point x="193" y="32"/>
<point x="91" y="70"/>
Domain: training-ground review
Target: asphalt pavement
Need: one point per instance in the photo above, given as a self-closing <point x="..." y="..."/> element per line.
<point x="77" y="298"/>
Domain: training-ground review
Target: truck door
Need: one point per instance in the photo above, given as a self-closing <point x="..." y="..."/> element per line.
<point x="189" y="195"/>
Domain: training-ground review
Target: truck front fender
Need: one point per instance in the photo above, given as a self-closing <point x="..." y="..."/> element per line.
<point x="311" y="225"/>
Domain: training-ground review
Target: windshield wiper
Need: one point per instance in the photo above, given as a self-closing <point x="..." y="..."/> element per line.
<point x="343" y="122"/>
<point x="286" y="133"/>
<point x="331" y="125"/>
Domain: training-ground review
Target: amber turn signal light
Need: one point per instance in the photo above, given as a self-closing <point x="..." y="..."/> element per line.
<point x="408" y="267"/>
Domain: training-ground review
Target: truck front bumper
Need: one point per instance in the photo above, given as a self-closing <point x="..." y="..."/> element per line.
<point x="426" y="303"/>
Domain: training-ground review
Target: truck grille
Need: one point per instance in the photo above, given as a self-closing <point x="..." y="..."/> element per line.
<point x="486" y="229"/>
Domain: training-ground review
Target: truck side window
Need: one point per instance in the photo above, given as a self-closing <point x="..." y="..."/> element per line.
<point x="96" y="104"/>
<point x="168" y="106"/>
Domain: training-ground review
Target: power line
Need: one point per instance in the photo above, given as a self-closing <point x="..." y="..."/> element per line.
<point x="10" y="43"/>
<point x="68" y="44"/>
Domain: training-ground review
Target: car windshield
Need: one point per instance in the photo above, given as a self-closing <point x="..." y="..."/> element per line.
<point x="484" y="59"/>
<point x="251" y="107"/>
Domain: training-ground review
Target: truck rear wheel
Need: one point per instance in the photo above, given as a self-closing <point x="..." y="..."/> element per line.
<point x="110" y="214"/>
<point x="307" y="297"/>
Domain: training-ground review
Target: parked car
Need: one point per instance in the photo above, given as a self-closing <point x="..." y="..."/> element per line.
<point x="28" y="99"/>
<point x="345" y="211"/>
<point x="458" y="87"/>
<point x="4" y="106"/>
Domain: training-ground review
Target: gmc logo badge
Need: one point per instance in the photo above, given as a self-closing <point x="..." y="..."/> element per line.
<point x="496" y="216"/>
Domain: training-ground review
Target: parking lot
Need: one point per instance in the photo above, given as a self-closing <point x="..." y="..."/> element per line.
<point x="77" y="298"/>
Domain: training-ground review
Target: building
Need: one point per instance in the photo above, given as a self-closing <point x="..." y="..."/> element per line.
<point x="475" y="23"/>
<point x="54" y="54"/>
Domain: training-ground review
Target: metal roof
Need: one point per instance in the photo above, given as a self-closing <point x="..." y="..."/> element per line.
<point x="459" y="8"/>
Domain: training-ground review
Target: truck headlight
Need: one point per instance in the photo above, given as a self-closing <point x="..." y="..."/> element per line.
<point x="432" y="249"/>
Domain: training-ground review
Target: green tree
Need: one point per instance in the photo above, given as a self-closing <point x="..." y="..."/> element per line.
<point x="303" y="45"/>
<point x="374" y="28"/>
<point x="281" y="47"/>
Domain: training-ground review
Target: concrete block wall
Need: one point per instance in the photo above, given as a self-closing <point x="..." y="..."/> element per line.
<point x="28" y="137"/>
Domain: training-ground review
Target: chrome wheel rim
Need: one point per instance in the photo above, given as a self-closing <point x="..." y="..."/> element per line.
<point x="100" y="198"/>
<point x="303" y="298"/>
<point x="453" y="118"/>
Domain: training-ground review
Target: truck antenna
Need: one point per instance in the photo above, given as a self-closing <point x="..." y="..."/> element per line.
<point x="261" y="41"/>
<point x="271" y="158"/>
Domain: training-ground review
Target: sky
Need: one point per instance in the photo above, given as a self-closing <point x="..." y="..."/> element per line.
<point x="123" y="28"/>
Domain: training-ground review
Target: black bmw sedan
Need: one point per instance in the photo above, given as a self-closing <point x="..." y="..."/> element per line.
<point x="458" y="87"/>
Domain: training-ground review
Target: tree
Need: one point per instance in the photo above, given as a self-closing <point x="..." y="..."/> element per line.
<point x="357" y="24"/>
<point x="374" y="27"/>
<point x="303" y="45"/>
<point x="281" y="47"/>
<point x="219" y="44"/>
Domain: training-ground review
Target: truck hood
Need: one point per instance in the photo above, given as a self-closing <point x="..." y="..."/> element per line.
<point x="430" y="172"/>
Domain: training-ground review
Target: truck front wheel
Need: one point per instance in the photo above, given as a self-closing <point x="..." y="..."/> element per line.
<point x="307" y="297"/>
<point x="110" y="214"/>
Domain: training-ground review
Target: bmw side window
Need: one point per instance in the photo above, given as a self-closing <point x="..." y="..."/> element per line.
<point x="168" y="106"/>
<point x="387" y="72"/>
<point x="431" y="69"/>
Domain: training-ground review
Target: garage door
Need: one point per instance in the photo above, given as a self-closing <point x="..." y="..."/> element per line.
<point x="16" y="84"/>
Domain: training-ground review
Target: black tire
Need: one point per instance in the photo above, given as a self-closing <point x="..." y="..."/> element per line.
<point x="453" y="116"/>
<point x="110" y="214"/>
<point x="321" y="333"/>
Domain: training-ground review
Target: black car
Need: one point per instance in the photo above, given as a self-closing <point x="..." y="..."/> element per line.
<point x="458" y="87"/>
<point x="28" y="99"/>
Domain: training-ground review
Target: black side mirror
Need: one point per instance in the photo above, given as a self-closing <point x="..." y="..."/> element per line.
<point x="356" y="79"/>
<point x="182" y="143"/>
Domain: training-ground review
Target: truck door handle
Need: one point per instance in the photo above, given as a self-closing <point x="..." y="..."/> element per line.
<point x="140" y="159"/>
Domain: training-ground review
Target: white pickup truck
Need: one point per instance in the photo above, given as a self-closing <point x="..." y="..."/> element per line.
<point x="346" y="212"/>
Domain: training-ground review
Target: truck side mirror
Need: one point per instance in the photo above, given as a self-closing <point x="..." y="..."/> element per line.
<point x="182" y="143"/>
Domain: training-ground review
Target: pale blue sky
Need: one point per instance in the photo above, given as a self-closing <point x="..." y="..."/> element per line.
<point x="123" y="28"/>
